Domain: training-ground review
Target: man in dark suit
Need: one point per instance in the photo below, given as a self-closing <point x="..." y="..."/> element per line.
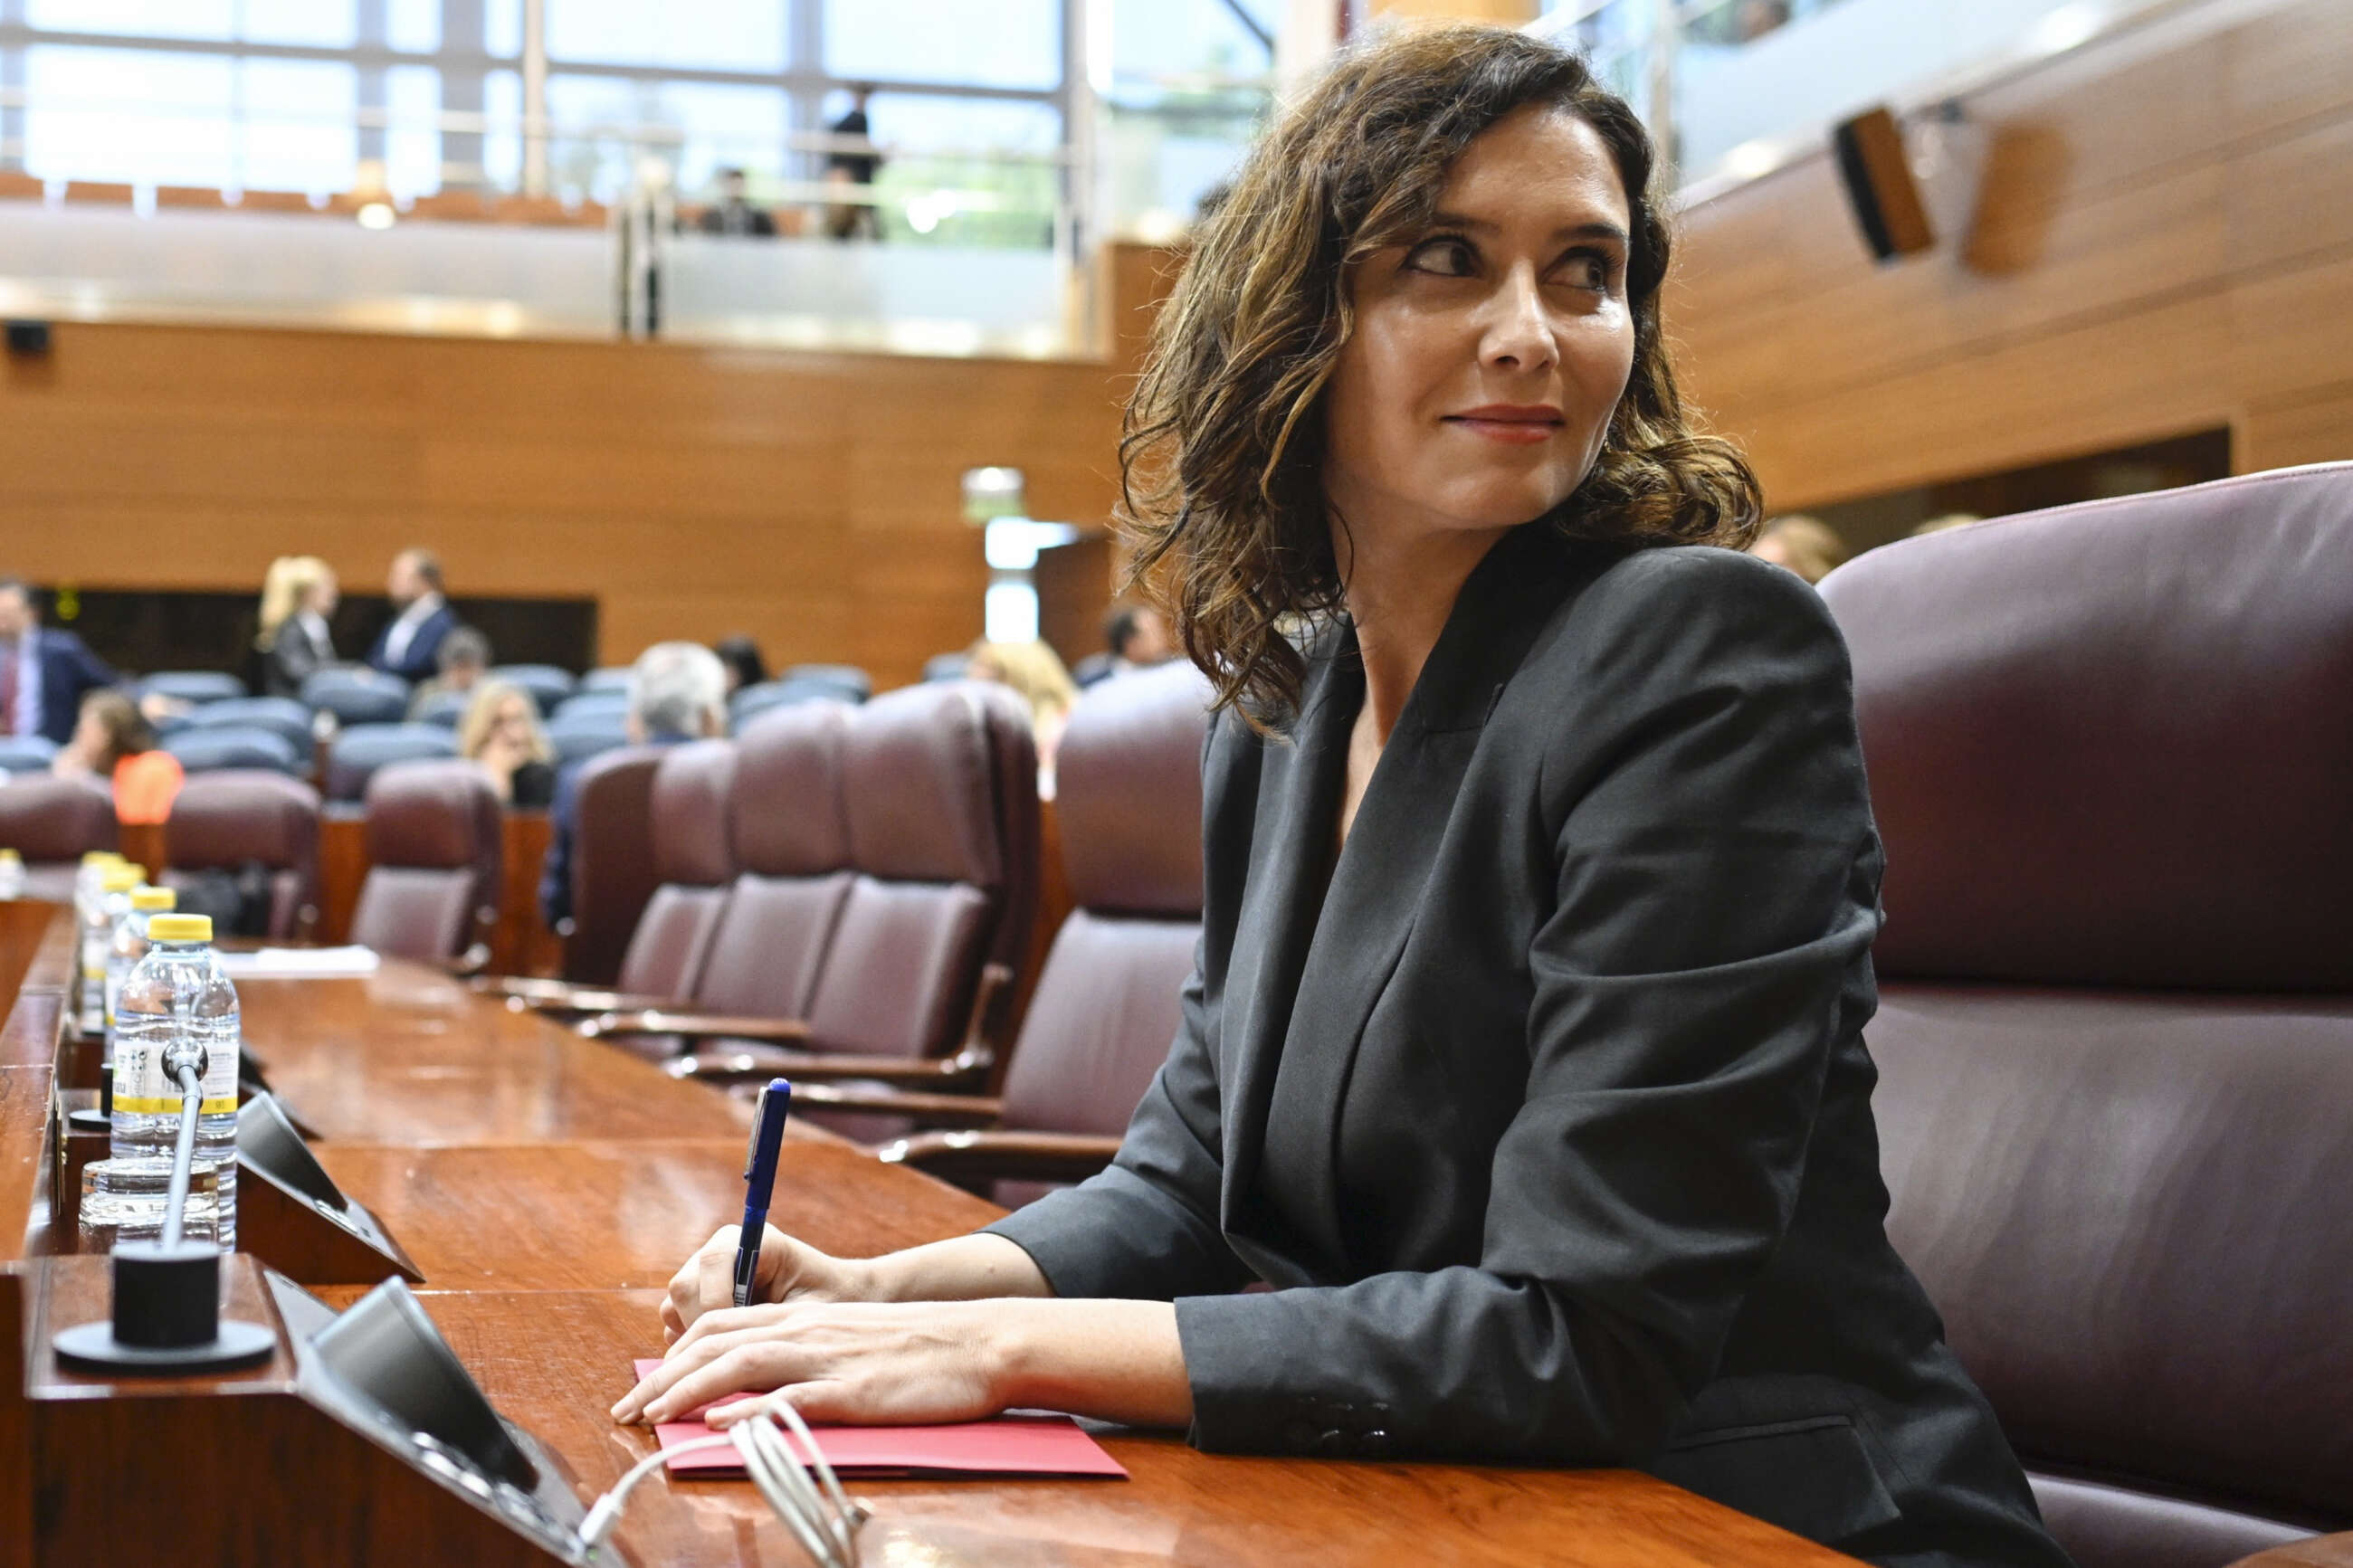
<point x="44" y="675"/>
<point x="422" y="617"/>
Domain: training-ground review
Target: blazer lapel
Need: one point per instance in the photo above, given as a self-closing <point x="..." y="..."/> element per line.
<point x="1297" y="816"/>
<point x="1376" y="893"/>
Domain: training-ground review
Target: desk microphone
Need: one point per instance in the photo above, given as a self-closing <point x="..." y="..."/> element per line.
<point x="167" y="1317"/>
<point x="759" y="1181"/>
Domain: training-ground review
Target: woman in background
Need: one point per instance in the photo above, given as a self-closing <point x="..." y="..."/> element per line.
<point x="113" y="741"/>
<point x="1036" y="672"/>
<point x="298" y="596"/>
<point x="501" y="731"/>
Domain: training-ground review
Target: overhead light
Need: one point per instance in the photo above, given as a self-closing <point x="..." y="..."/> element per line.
<point x="376" y="216"/>
<point x="2063" y="29"/>
<point x="1751" y="158"/>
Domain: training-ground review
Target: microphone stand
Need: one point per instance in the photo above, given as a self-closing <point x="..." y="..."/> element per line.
<point x="167" y="1319"/>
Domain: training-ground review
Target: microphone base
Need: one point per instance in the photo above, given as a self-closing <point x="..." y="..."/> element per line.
<point x="93" y="1347"/>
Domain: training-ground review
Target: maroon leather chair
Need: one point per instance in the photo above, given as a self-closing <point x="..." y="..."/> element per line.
<point x="937" y="798"/>
<point x="659" y="815"/>
<point x="612" y="870"/>
<point x="51" y="823"/>
<point x="435" y="863"/>
<point x="236" y="816"/>
<point x="1105" y="1010"/>
<point x="790" y="838"/>
<point x="2111" y="750"/>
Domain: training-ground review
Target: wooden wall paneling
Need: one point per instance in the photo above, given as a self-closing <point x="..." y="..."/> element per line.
<point x="2285" y="63"/>
<point x="693" y="492"/>
<point x="2318" y="430"/>
<point x="2166" y="246"/>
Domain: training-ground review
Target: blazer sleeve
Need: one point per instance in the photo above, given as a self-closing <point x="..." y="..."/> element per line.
<point x="1715" y="890"/>
<point x="1146" y="1227"/>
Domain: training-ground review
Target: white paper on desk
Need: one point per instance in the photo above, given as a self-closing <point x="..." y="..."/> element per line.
<point x="300" y="963"/>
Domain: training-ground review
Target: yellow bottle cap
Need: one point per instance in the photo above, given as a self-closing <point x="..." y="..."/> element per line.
<point x="121" y="878"/>
<point x="10" y="854"/>
<point x="180" y="928"/>
<point x="153" y="899"/>
<point x="101" y="858"/>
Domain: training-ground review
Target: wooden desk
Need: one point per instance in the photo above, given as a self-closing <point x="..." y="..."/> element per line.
<point x="547" y="1186"/>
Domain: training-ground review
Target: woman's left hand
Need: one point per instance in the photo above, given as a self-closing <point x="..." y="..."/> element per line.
<point x="873" y="1363"/>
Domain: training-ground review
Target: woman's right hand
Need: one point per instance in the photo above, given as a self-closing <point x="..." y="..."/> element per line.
<point x="788" y="1271"/>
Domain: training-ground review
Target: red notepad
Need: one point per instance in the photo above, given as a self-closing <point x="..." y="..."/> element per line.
<point x="1009" y="1445"/>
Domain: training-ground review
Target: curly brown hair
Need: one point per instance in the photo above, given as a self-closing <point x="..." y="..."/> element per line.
<point x="1221" y="452"/>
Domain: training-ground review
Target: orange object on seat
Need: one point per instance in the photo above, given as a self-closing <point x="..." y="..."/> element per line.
<point x="145" y="786"/>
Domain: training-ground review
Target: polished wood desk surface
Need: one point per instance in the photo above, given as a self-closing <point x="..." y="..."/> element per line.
<point x="548" y="1185"/>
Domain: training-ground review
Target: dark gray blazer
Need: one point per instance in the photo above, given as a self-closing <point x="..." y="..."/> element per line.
<point x="1546" y="1109"/>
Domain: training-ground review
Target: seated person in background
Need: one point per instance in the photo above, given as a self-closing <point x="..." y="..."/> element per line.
<point x="744" y="667"/>
<point x="500" y="731"/>
<point x="409" y="645"/>
<point x="44" y="674"/>
<point x="1524" y="1060"/>
<point x="298" y="598"/>
<point x="1036" y="672"/>
<point x="732" y="213"/>
<point x="1803" y="544"/>
<point x="464" y="659"/>
<point x="113" y="741"/>
<point x="678" y="691"/>
<point x="1136" y="638"/>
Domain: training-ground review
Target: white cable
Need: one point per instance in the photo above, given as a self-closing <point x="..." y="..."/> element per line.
<point x="825" y="1521"/>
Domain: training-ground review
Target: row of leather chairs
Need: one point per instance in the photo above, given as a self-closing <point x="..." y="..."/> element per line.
<point x="843" y="894"/>
<point x="433" y="832"/>
<point x="836" y="884"/>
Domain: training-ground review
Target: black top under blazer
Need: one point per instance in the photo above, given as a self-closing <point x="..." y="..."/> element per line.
<point x="1544" y="1109"/>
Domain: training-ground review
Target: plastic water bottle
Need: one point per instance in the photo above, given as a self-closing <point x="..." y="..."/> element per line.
<point x="178" y="992"/>
<point x="116" y="883"/>
<point x="87" y="891"/>
<point x="129" y="945"/>
<point x="12" y="874"/>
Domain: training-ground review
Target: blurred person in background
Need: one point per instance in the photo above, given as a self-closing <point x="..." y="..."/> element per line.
<point x="678" y="691"/>
<point x="732" y="213"/>
<point x="1135" y="637"/>
<point x="1805" y="545"/>
<point x="741" y="656"/>
<point x="1034" y="671"/>
<point x="853" y="220"/>
<point x="501" y="731"/>
<point x="410" y="647"/>
<point x="44" y="674"/>
<point x="299" y="597"/>
<point x="463" y="660"/>
<point x="113" y="741"/>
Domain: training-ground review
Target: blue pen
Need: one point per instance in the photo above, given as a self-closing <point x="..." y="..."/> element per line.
<point x="759" y="1181"/>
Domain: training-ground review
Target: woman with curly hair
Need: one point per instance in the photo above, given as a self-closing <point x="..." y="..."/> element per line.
<point x="1522" y="1060"/>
